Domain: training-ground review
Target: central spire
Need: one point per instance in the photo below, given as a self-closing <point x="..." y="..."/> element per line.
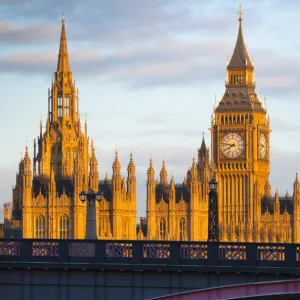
<point x="240" y="57"/>
<point x="63" y="56"/>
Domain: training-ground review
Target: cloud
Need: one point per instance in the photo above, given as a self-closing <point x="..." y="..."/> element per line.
<point x="290" y="126"/>
<point x="137" y="43"/>
<point x="283" y="169"/>
<point x="169" y="61"/>
<point x="26" y="35"/>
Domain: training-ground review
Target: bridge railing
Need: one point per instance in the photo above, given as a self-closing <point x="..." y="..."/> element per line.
<point x="150" y="252"/>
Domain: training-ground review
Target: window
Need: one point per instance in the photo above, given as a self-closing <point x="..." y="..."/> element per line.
<point x="162" y="229"/>
<point x="182" y="226"/>
<point x="64" y="227"/>
<point x="59" y="106"/>
<point x="40" y="227"/>
<point x="67" y="106"/>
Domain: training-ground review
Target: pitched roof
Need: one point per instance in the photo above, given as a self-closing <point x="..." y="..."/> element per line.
<point x="240" y="57"/>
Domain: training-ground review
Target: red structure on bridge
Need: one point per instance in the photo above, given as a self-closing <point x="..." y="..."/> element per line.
<point x="266" y="290"/>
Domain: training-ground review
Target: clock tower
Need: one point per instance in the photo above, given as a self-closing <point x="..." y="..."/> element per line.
<point x="240" y="148"/>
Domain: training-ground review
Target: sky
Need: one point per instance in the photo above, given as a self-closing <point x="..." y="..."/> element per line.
<point x="148" y="73"/>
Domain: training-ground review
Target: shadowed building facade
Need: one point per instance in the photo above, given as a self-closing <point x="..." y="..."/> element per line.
<point x="46" y="194"/>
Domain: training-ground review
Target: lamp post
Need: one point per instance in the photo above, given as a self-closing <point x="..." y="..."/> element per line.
<point x="90" y="197"/>
<point x="213" y="234"/>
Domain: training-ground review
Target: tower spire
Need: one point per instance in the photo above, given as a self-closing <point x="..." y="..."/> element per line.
<point x="240" y="57"/>
<point x="63" y="56"/>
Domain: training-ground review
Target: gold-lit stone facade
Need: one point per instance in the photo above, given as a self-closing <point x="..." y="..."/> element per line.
<point x="46" y="200"/>
<point x="46" y="194"/>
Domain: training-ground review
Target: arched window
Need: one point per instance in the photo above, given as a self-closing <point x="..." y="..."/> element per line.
<point x="162" y="229"/>
<point x="40" y="227"/>
<point x="182" y="228"/>
<point x="64" y="227"/>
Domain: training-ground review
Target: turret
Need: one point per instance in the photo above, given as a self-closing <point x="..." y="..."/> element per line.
<point x="7" y="214"/>
<point x="116" y="176"/>
<point x="276" y="204"/>
<point x="296" y="193"/>
<point x="151" y="185"/>
<point x="93" y="176"/>
<point x="194" y="183"/>
<point x="27" y="170"/>
<point x="34" y="157"/>
<point x="78" y="177"/>
<point x="193" y="172"/>
<point x="131" y="179"/>
<point x="296" y="200"/>
<point x="150" y="173"/>
<point x="52" y="184"/>
<point x="151" y="199"/>
<point x="267" y="189"/>
<point x="163" y="174"/>
<point x="172" y="196"/>
<point x="203" y="162"/>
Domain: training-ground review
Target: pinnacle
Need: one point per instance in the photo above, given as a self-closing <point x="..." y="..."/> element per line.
<point x="92" y="148"/>
<point x="63" y="57"/>
<point x="172" y="182"/>
<point x="193" y="163"/>
<point x="106" y="177"/>
<point x="131" y="158"/>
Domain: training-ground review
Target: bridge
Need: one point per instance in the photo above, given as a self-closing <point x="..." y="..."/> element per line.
<point x="110" y="269"/>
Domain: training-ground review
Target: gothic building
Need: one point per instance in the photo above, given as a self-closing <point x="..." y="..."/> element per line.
<point x="46" y="194"/>
<point x="178" y="211"/>
<point x="240" y="135"/>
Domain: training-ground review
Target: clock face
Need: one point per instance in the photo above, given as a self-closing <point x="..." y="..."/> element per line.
<point x="262" y="146"/>
<point x="232" y="145"/>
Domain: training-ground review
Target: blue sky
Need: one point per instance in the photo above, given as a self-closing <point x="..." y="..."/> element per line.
<point x="147" y="73"/>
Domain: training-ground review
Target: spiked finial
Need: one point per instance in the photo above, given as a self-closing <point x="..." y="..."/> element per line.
<point x="150" y="171"/>
<point x="106" y="177"/>
<point x="93" y="149"/>
<point x="240" y="13"/>
<point x="193" y="163"/>
<point x="131" y="166"/>
<point x="116" y="166"/>
<point x="296" y="182"/>
<point x="163" y="173"/>
<point x="85" y="126"/>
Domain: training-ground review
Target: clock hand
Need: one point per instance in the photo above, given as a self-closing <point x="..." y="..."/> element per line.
<point x="230" y="145"/>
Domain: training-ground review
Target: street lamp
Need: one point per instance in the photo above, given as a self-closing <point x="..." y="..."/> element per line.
<point x="90" y="197"/>
<point x="213" y="234"/>
<point x="213" y="185"/>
